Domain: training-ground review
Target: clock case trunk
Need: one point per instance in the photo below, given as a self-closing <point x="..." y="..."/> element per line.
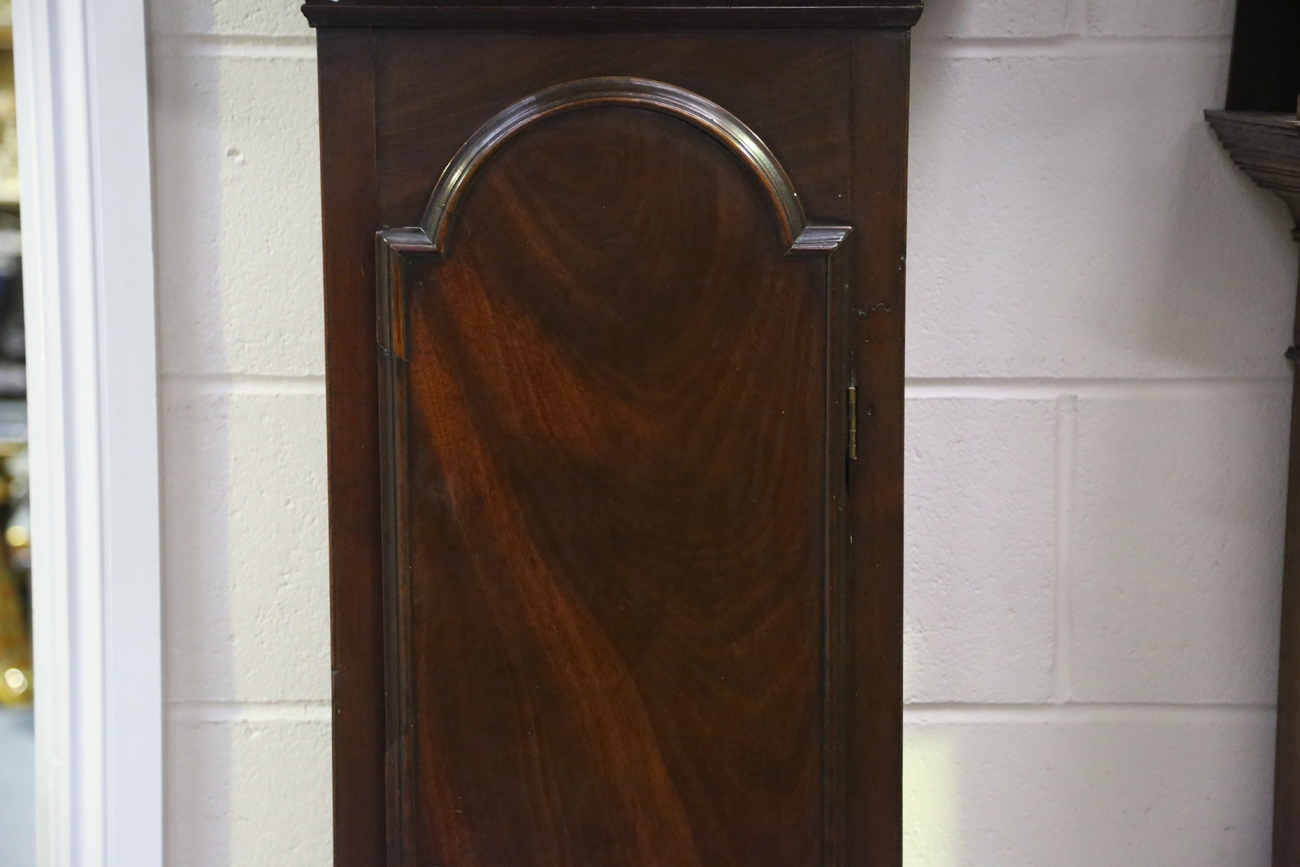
<point x="504" y="391"/>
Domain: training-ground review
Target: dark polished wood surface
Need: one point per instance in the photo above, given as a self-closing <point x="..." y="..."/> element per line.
<point x="1286" y="775"/>
<point x="1265" y="72"/>
<point x="613" y="468"/>
<point x="642" y="15"/>
<point x="346" y="68"/>
<point x="625" y="623"/>
<point x="1266" y="145"/>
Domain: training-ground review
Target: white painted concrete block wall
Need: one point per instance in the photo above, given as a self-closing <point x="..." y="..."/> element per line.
<point x="1098" y="306"/>
<point x="1097" y="410"/>
<point x="246" y="592"/>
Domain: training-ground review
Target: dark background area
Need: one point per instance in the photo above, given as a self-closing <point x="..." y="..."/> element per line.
<point x="1265" y="73"/>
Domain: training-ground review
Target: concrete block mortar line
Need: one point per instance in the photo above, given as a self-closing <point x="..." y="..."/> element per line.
<point x="1047" y="388"/>
<point x="1066" y="47"/>
<point x="1076" y="713"/>
<point x="292" y="47"/>
<point x="1067" y="440"/>
<point x="221" y="384"/>
<point x="217" y="712"/>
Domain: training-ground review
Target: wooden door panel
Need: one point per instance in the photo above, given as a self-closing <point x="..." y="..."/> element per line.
<point x="614" y="480"/>
<point x="403" y="85"/>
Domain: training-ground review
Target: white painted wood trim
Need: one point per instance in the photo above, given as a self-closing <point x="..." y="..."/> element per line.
<point x="83" y="104"/>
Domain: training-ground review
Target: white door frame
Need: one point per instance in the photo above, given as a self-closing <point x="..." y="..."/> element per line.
<point x="87" y="214"/>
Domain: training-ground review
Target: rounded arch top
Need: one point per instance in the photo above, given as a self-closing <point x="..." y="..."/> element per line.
<point x="622" y="91"/>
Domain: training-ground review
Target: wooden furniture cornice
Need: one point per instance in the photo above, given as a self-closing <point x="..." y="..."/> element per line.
<point x="644" y="15"/>
<point x="1266" y="146"/>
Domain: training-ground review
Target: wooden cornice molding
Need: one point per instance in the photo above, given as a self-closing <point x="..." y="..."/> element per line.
<point x="644" y="15"/>
<point x="1265" y="145"/>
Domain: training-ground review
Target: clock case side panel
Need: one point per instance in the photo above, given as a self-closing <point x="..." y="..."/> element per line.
<point x="346" y="68"/>
<point x="881" y="72"/>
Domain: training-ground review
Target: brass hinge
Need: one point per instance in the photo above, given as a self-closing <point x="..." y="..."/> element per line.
<point x="853" y="422"/>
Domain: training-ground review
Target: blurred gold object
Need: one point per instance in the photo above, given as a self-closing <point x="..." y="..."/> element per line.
<point x="8" y="131"/>
<point x="15" y="644"/>
<point x="15" y="621"/>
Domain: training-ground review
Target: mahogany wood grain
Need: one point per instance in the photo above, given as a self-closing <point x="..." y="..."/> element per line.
<point x="793" y="90"/>
<point x="349" y="207"/>
<point x="616" y="513"/>
<point x="639" y="610"/>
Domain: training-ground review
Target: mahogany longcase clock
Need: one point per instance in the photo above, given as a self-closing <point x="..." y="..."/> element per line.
<point x="614" y="304"/>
